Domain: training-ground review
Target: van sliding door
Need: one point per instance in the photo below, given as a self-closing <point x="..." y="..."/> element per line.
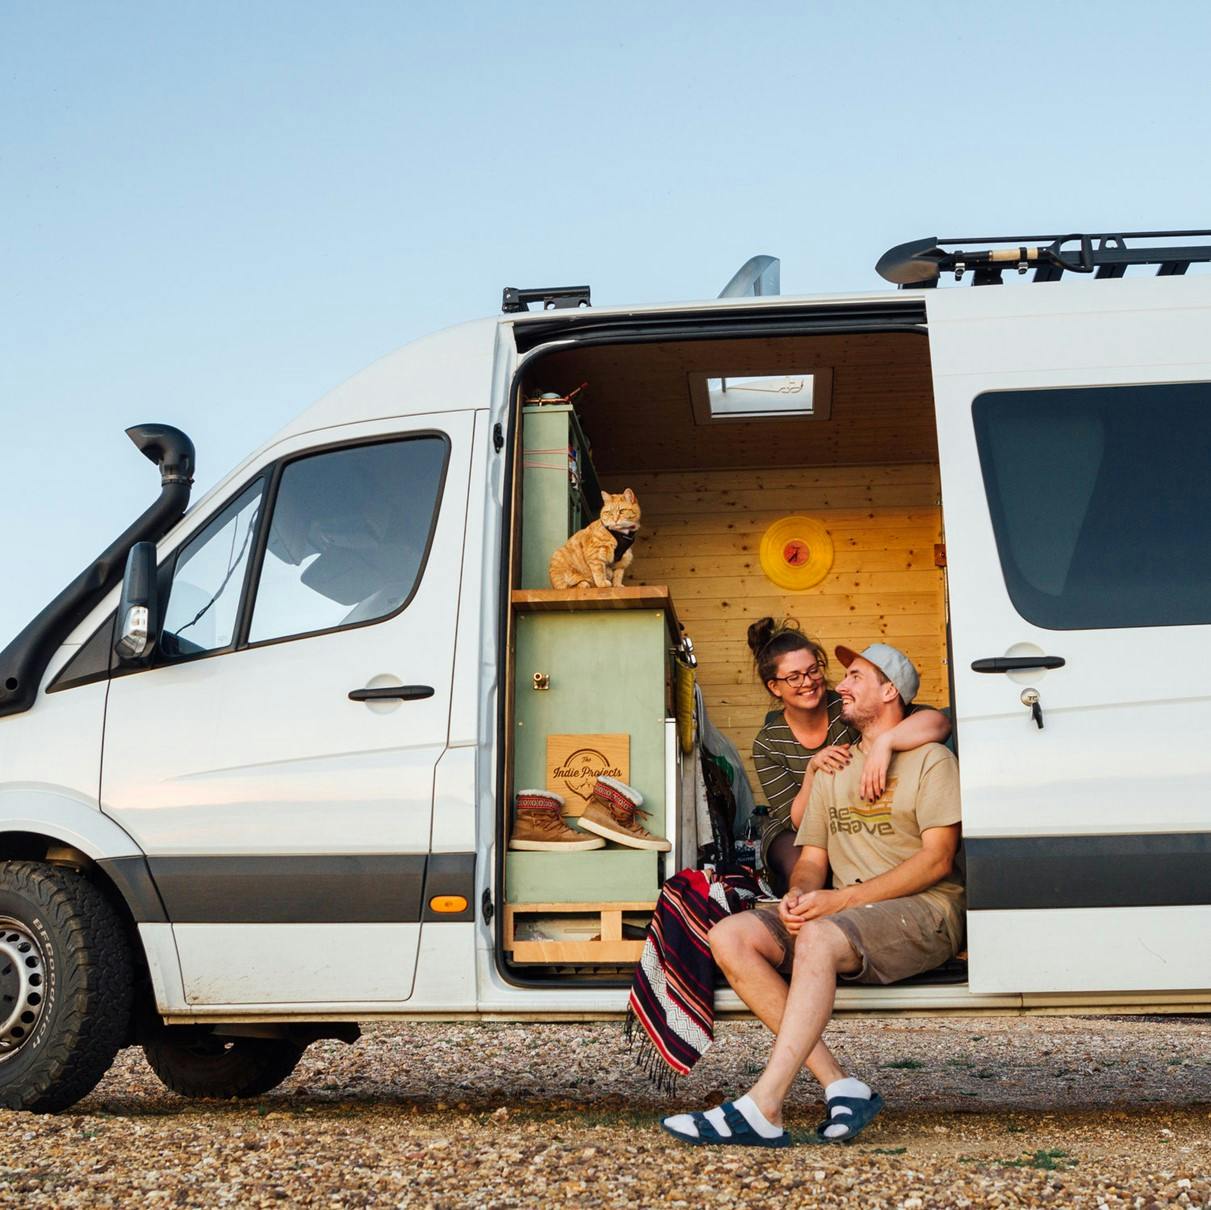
<point x="1074" y="421"/>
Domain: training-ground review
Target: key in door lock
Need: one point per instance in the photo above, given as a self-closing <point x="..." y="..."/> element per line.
<point x="542" y="680"/>
<point x="1030" y="697"/>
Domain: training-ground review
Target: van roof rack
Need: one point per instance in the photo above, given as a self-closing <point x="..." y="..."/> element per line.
<point x="921" y="263"/>
<point x="553" y="298"/>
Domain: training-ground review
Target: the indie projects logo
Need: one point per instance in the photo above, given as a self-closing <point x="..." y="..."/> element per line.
<point x="580" y="771"/>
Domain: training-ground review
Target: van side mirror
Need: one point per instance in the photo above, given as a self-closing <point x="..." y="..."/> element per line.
<point x="135" y="635"/>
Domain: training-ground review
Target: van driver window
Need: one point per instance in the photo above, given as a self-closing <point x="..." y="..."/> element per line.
<point x="204" y="601"/>
<point x="348" y="536"/>
<point x="1101" y="502"/>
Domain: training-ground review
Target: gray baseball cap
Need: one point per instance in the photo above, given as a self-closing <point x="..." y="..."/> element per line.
<point x="890" y="661"/>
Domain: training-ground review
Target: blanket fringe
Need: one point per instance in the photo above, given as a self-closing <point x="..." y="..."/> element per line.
<point x="647" y="1058"/>
<point x="670" y="1011"/>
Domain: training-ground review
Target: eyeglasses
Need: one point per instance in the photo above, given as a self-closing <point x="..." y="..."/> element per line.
<point x="795" y="679"/>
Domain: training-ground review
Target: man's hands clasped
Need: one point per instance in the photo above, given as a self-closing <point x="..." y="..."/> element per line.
<point x="796" y="907"/>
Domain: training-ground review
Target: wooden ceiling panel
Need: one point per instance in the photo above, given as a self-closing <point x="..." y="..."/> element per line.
<point x="637" y="413"/>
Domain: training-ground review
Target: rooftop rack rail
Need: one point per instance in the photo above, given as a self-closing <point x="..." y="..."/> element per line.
<point x="921" y="263"/>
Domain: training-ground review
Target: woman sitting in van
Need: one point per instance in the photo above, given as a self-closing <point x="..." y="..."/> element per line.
<point x="807" y="736"/>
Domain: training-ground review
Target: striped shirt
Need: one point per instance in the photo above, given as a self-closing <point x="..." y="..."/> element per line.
<point x="781" y="760"/>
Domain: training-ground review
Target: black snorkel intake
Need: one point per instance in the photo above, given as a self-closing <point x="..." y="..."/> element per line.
<point x="24" y="660"/>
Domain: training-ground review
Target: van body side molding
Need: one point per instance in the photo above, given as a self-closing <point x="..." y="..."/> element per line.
<point x="134" y="882"/>
<point x="353" y="889"/>
<point x="1052" y="872"/>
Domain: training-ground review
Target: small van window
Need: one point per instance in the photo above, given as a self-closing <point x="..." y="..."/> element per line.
<point x="203" y="605"/>
<point x="348" y="536"/>
<point x="1101" y="502"/>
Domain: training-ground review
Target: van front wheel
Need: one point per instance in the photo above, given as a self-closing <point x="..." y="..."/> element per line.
<point x="193" y="1061"/>
<point x="66" y="986"/>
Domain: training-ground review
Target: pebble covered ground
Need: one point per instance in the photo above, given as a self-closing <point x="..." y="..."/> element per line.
<point x="981" y="1112"/>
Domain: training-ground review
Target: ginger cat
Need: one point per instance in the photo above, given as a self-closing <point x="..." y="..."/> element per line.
<point x="598" y="555"/>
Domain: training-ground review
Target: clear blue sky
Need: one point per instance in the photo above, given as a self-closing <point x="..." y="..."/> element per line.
<point x="213" y="213"/>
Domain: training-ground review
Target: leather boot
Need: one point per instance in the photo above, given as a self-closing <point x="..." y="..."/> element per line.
<point x="538" y="825"/>
<point x="611" y="813"/>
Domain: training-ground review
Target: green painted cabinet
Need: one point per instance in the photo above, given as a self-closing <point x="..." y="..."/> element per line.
<point x="608" y="670"/>
<point x="559" y="487"/>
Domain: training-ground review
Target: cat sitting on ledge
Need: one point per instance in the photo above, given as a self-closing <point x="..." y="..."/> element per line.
<point x="598" y="555"/>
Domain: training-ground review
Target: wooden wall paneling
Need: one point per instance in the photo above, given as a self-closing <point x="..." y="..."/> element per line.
<point x="755" y="523"/>
<point x="701" y="535"/>
<point x="789" y="477"/>
<point x="757" y="587"/>
<point x="782" y="500"/>
<point x="847" y="559"/>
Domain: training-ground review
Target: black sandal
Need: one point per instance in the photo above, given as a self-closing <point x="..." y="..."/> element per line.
<point x="743" y="1135"/>
<point x="854" y="1113"/>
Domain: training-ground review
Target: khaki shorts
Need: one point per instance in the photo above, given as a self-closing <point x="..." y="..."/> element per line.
<point x="895" y="939"/>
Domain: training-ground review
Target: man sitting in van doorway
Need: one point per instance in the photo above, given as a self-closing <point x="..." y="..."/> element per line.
<point x="895" y="909"/>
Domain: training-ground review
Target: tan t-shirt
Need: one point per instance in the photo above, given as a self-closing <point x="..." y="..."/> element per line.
<point x="865" y="839"/>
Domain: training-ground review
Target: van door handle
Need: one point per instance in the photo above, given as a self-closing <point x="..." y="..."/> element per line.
<point x="1016" y="663"/>
<point x="390" y="693"/>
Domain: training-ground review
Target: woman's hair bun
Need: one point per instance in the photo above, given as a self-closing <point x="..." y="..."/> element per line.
<point x="760" y="633"/>
<point x="764" y="629"/>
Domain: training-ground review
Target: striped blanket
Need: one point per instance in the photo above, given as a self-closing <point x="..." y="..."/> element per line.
<point x="673" y="993"/>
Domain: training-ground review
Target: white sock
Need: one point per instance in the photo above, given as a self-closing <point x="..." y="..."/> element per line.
<point x="683" y="1123"/>
<point x="756" y="1119"/>
<point x="847" y="1087"/>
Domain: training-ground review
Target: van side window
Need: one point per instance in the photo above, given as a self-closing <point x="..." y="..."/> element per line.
<point x="203" y="607"/>
<point x="348" y="536"/>
<point x="1101" y="502"/>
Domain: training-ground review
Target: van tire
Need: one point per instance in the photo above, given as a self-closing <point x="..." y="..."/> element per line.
<point x="66" y="986"/>
<point x="193" y="1061"/>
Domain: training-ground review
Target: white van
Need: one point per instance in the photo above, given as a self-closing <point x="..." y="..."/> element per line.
<point x="261" y="791"/>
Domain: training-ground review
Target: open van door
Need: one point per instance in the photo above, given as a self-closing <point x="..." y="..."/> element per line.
<point x="1074" y="423"/>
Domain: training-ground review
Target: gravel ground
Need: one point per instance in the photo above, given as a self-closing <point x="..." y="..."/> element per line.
<point x="997" y="1112"/>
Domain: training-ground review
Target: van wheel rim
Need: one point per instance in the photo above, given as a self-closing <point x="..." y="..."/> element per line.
<point x="22" y="986"/>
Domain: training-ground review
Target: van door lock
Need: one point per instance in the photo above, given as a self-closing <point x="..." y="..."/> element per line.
<point x="1030" y="697"/>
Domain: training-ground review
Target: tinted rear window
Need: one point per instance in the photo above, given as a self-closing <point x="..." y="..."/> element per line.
<point x="1101" y="502"/>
